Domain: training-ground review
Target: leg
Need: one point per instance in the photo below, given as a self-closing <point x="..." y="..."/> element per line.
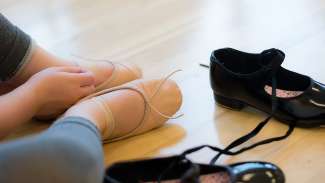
<point x="70" y="151"/>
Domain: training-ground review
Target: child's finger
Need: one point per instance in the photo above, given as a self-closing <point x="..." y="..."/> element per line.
<point x="70" y="69"/>
<point x="84" y="79"/>
<point x="87" y="90"/>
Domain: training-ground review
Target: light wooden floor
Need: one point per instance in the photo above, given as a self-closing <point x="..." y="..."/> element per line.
<point x="164" y="35"/>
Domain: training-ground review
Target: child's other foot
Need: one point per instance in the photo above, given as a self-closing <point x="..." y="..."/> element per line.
<point x="130" y="109"/>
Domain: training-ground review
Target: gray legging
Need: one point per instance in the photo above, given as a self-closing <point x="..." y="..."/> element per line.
<point x="68" y="152"/>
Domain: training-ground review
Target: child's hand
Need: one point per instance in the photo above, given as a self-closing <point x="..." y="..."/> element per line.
<point x="58" y="88"/>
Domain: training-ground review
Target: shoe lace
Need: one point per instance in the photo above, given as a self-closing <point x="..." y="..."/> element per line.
<point x="157" y="91"/>
<point x="193" y="172"/>
<point x="256" y="130"/>
<point x="107" y="61"/>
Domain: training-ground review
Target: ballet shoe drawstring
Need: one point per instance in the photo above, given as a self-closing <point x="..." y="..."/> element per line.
<point x="156" y="92"/>
<point x="104" y="60"/>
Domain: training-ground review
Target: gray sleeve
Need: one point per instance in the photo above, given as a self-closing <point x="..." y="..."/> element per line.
<point x="15" y="47"/>
<point x="70" y="151"/>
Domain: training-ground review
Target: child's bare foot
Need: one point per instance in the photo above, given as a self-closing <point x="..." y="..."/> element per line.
<point x="130" y="109"/>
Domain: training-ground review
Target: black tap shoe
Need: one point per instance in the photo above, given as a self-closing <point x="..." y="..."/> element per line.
<point x="179" y="169"/>
<point x="241" y="79"/>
